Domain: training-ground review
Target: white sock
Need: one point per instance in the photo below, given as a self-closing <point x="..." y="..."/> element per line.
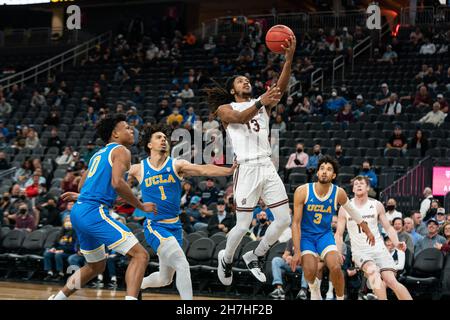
<point x="60" y="296"/>
<point x="315" y="285"/>
<point x="100" y="277"/>
<point x="339" y="298"/>
<point x="234" y="237"/>
<point x="330" y="289"/>
<point x="130" y="298"/>
<point x="113" y="278"/>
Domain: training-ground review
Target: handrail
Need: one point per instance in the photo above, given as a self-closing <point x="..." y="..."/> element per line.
<point x="7" y="172"/>
<point x="56" y="61"/>
<point x="337" y="66"/>
<point x="292" y="88"/>
<point x="356" y="53"/>
<point x="319" y="78"/>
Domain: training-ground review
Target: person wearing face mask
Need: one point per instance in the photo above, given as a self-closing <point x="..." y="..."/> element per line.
<point x="367" y="171"/>
<point x="59" y="252"/>
<point x="313" y="161"/>
<point x="339" y="155"/>
<point x="391" y="213"/>
<point x="261" y="225"/>
<point x="298" y="158"/>
<point x="431" y="213"/>
<point x="24" y="220"/>
<point x="49" y="213"/>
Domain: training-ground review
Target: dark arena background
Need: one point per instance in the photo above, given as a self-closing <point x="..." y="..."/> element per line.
<point x="369" y="88"/>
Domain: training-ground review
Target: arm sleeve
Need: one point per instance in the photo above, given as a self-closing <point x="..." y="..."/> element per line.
<point x="352" y="211"/>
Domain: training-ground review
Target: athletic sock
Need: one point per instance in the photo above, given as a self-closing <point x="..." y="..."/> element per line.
<point x="130" y="298"/>
<point x="60" y="296"/>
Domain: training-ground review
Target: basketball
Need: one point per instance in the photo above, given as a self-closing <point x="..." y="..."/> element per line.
<point x="276" y="36"/>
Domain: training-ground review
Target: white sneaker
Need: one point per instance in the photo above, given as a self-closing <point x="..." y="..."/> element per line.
<point x="224" y="270"/>
<point x="329" y="296"/>
<point x="254" y="264"/>
<point x="145" y="284"/>
<point x="316" y="295"/>
<point x="52" y="297"/>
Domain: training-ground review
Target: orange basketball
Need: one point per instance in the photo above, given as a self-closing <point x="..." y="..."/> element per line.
<point x="275" y="37"/>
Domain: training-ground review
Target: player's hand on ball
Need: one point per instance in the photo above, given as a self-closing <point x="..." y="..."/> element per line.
<point x="289" y="47"/>
<point x="271" y="97"/>
<point x="149" y="207"/>
<point x="69" y="196"/>
<point x="401" y="246"/>
<point x="296" y="261"/>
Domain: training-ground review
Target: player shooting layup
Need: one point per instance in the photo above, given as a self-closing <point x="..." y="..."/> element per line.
<point x="371" y="260"/>
<point x="246" y="121"/>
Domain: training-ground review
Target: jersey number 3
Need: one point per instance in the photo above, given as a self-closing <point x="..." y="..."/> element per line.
<point x="318" y="218"/>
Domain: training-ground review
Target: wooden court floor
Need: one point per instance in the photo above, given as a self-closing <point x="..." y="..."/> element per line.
<point x="32" y="291"/>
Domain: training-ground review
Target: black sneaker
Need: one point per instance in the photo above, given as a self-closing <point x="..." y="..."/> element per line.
<point x="278" y="293"/>
<point x="97" y="284"/>
<point x="49" y="277"/>
<point x="302" y="294"/>
<point x="224" y="270"/>
<point x="112" y="284"/>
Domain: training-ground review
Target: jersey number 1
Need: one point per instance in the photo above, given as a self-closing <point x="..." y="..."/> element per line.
<point x="163" y="194"/>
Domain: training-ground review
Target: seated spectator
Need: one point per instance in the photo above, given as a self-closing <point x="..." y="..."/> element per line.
<point x="91" y="117"/>
<point x="163" y="110"/>
<point x="393" y="107"/>
<point x="390" y="56"/>
<point x="175" y="116"/>
<point x="62" y="249"/>
<point x="419" y="141"/>
<point x="66" y="157"/>
<point x="298" y="158"/>
<point x="121" y="75"/>
<point x="54" y="140"/>
<point x="443" y="103"/>
<point x="319" y="107"/>
<point x="423" y="98"/>
<point x="211" y="124"/>
<point x="279" y="124"/>
<point x="430" y="79"/>
<point x="383" y="96"/>
<point x="419" y="225"/>
<point x="66" y="212"/>
<point x="32" y="140"/>
<point x="193" y="212"/>
<point x="436" y="117"/>
<point x="391" y="212"/>
<point x="367" y="171"/>
<point x="187" y="92"/>
<point x="52" y="119"/>
<point x="282" y="264"/>
<point x="189" y="39"/>
<point x="261" y="207"/>
<point x="38" y="100"/>
<point x="431" y="239"/>
<point x="3" y="161"/>
<point x="397" y="255"/>
<point x="335" y="103"/>
<point x="34" y="189"/>
<point x="25" y="220"/>
<point x="190" y="117"/>
<point x="428" y="47"/>
<point x="49" y="213"/>
<point x="4" y="131"/>
<point x="397" y="141"/>
<point x="70" y="181"/>
<point x="409" y="228"/>
<point x="360" y="107"/>
<point x="5" y="108"/>
<point x="262" y="223"/>
<point x="445" y="232"/>
<point x="221" y="221"/>
<point x="403" y="236"/>
<point x="314" y="160"/>
<point x="111" y="259"/>
<point x="91" y="149"/>
<point x="246" y="55"/>
<point x="339" y="155"/>
<point x="133" y="118"/>
<point x="440" y="216"/>
<point x="432" y="211"/>
<point x="137" y="98"/>
<point x="345" y="116"/>
<point x="416" y="36"/>
<point x="186" y="194"/>
<point x="211" y="193"/>
<point x="36" y="173"/>
<point x="24" y="172"/>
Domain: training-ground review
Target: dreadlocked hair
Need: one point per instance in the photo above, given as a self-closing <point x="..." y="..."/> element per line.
<point x="219" y="95"/>
<point x="148" y="130"/>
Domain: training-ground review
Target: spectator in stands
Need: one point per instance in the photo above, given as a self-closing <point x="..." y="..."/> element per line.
<point x="211" y="123"/>
<point x="393" y="107"/>
<point x="397" y="141"/>
<point x="54" y="140"/>
<point x="428" y="47"/>
<point x="66" y="212"/>
<point x="24" y="219"/>
<point x="38" y="100"/>
<point x="190" y="118"/>
<point x="211" y="193"/>
<point x="66" y="157"/>
<point x="282" y="264"/>
<point x="210" y="45"/>
<point x="335" y="103"/>
<point x="431" y="213"/>
<point x="52" y="119"/>
<point x="70" y="181"/>
<point x="246" y="55"/>
<point x="431" y="239"/>
<point x="445" y="232"/>
<point x="37" y="172"/>
<point x="345" y="116"/>
<point x="262" y="223"/>
<point x="416" y="36"/>
<point x="390" y="56"/>
<point x="299" y="158"/>
<point x="175" y="116"/>
<point x="440" y="216"/>
<point x="279" y="124"/>
<point x="5" y="108"/>
<point x="152" y="53"/>
<point x="63" y="248"/>
<point x="60" y="99"/>
<point x="49" y="213"/>
<point x="383" y="97"/>
<point x="430" y="79"/>
<point x="436" y="117"/>
<point x="121" y="75"/>
<point x="187" y="92"/>
<point x="34" y="188"/>
<point x="391" y="212"/>
<point x="403" y="236"/>
<point x="133" y="118"/>
<point x="423" y="98"/>
<point x="314" y="160"/>
<point x="4" y="131"/>
<point x="5" y="203"/>
<point x="163" y="110"/>
<point x="3" y="161"/>
<point x="426" y="202"/>
<point x="419" y="225"/>
<point x="91" y="117"/>
<point x="420" y="142"/>
<point x="409" y="228"/>
<point x="397" y="255"/>
<point x="197" y="214"/>
<point x="24" y="172"/>
<point x="221" y="221"/>
<point x="367" y="171"/>
<point x="91" y="149"/>
<point x="186" y="194"/>
<point x="360" y="107"/>
<point x="339" y="155"/>
<point x="443" y="103"/>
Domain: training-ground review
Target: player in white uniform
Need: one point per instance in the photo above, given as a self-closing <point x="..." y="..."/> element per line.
<point x="246" y="121"/>
<point x="376" y="262"/>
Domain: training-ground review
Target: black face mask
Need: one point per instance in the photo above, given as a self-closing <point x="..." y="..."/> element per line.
<point x="316" y="153"/>
<point x="338" y="153"/>
<point x="22" y="211"/>
<point x="365" y="169"/>
<point x="390" y="208"/>
<point x="6" y="199"/>
<point x="22" y="197"/>
<point x="262" y="221"/>
<point x="299" y="150"/>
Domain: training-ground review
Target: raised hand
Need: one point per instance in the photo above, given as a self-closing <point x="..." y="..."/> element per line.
<point x="271" y="97"/>
<point x="289" y="47"/>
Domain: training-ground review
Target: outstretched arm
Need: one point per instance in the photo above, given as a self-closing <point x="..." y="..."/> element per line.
<point x="185" y="168"/>
<point x="289" y="48"/>
<point x="350" y="208"/>
<point x="299" y="200"/>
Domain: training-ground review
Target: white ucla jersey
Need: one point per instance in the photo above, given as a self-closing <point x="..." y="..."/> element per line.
<point x="358" y="238"/>
<point x="250" y="140"/>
